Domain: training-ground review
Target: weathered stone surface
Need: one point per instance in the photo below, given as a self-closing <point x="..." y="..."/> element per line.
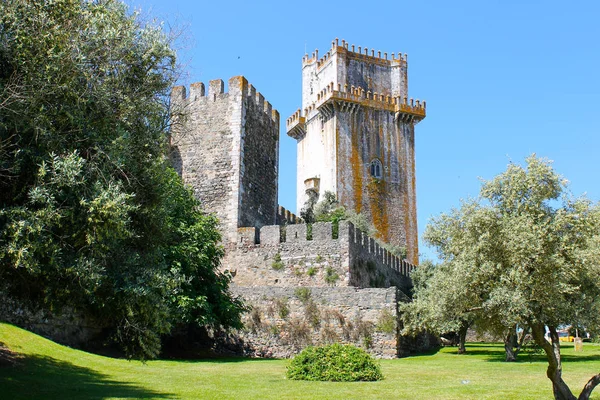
<point x="355" y="112"/>
<point x="226" y="146"/>
<point x="65" y="326"/>
<point x="284" y="320"/>
<point x="351" y="259"/>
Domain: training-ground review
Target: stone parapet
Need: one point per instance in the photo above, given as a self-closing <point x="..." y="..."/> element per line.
<point x="356" y="52"/>
<point x="216" y="89"/>
<point x="286" y="217"/>
<point x="323" y="255"/>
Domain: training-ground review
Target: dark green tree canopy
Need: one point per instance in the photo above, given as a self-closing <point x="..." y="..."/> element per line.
<point x="91" y="214"/>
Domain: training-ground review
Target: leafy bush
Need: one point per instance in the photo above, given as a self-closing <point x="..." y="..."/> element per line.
<point x="92" y="214"/>
<point x="334" y="362"/>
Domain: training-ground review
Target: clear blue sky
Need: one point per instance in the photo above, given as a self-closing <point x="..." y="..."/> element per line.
<point x="502" y="79"/>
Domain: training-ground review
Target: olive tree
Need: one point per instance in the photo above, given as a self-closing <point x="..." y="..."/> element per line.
<point x="526" y="253"/>
<point x="435" y="304"/>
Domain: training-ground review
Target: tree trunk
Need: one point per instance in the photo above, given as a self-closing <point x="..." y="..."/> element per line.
<point x="554" y="371"/>
<point x="462" y="337"/>
<point x="513" y="342"/>
<point x="509" y="348"/>
<point x="521" y="340"/>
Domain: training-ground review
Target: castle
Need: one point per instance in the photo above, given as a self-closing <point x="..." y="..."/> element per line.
<point x="355" y="132"/>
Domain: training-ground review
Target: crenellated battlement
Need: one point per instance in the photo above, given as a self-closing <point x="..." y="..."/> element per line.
<point x="238" y="86"/>
<point x="357" y="52"/>
<point x="348" y="97"/>
<point x="286" y="217"/>
<point x="357" y="244"/>
<point x="296" y="125"/>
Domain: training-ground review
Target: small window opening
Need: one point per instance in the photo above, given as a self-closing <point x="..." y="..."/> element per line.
<point x="376" y="169"/>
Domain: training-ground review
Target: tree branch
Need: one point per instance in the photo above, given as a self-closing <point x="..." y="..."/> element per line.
<point x="587" y="389"/>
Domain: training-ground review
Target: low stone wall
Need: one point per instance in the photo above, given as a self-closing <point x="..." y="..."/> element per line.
<point x="65" y="327"/>
<point x="284" y="320"/>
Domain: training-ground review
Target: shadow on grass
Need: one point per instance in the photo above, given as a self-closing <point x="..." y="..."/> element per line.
<point x="41" y="377"/>
<point x="495" y="353"/>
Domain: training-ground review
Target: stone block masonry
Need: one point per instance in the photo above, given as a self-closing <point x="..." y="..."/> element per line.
<point x="355" y="136"/>
<point x="315" y="285"/>
<point x="287" y="256"/>
<point x="284" y="320"/>
<point x="225" y="145"/>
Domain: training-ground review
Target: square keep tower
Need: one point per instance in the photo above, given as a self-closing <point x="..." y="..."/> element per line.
<point x="355" y="134"/>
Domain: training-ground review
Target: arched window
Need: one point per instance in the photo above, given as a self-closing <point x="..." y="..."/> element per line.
<point x="376" y="169"/>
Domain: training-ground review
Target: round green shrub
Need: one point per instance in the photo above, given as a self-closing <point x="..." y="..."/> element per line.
<point x="334" y="362"/>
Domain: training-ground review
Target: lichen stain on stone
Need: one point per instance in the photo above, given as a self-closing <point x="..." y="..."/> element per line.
<point x="356" y="165"/>
<point x="378" y="205"/>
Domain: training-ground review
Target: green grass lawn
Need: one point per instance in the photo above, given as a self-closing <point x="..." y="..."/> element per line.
<point x="51" y="371"/>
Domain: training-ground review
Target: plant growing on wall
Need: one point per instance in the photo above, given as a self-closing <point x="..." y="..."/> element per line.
<point x="303" y="294"/>
<point x="386" y="322"/>
<point x="277" y="264"/>
<point x="331" y="276"/>
<point x="283" y="309"/>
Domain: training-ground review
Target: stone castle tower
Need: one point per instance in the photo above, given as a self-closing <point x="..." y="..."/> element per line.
<point x="226" y="146"/>
<point x="355" y="134"/>
<point x="356" y="139"/>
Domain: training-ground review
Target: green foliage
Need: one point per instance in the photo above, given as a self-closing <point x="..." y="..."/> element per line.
<point x="312" y="313"/>
<point x="360" y="222"/>
<point x="334" y="362"/>
<point x="283" y="309"/>
<point x="303" y="294"/>
<point x="311" y="271"/>
<point x="524" y="253"/>
<point x="277" y="264"/>
<point x="309" y="231"/>
<point x="329" y="210"/>
<point x="331" y="276"/>
<point x="307" y="212"/>
<point x="435" y="306"/>
<point x="386" y="322"/>
<point x="92" y="215"/>
<point x="398" y="251"/>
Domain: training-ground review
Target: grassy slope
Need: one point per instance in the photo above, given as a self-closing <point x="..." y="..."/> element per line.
<point x="50" y="371"/>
